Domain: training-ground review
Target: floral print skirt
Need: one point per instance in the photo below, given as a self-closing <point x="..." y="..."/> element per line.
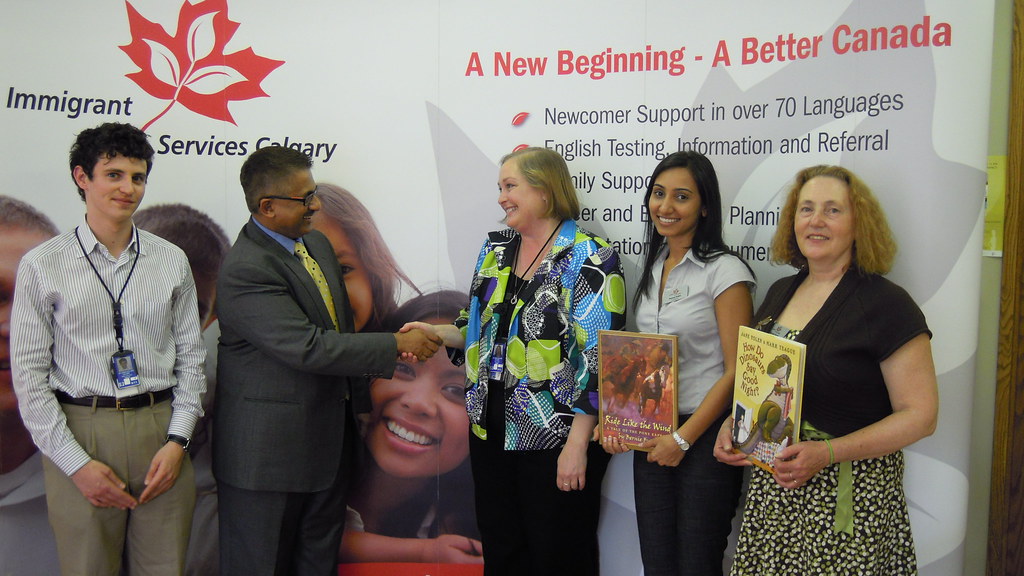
<point x="790" y="532"/>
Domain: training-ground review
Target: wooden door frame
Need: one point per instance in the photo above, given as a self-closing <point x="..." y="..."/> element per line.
<point x="1006" y="514"/>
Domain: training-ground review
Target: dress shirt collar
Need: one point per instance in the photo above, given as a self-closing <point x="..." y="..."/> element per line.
<point x="286" y="242"/>
<point x="690" y="256"/>
<point x="91" y="243"/>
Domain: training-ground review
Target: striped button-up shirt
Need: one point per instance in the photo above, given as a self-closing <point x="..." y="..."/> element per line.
<point x="62" y="334"/>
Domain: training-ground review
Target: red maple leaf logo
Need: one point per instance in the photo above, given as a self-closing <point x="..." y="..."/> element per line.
<point x="191" y="67"/>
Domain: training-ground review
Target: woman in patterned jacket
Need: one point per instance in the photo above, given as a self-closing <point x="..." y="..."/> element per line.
<point x="542" y="289"/>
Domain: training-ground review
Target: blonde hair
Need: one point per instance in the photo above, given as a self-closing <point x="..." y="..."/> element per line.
<point x="874" y="247"/>
<point x="545" y="169"/>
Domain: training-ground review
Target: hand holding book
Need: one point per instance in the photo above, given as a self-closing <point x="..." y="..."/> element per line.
<point x="766" y="396"/>
<point x="638" y="389"/>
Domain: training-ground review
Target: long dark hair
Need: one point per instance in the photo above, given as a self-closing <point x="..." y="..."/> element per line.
<point x="343" y="209"/>
<point x="707" y="238"/>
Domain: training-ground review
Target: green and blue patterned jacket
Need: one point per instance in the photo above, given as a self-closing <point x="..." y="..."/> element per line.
<point x="551" y="361"/>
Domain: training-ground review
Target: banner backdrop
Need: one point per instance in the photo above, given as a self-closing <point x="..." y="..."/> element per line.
<point x="409" y="105"/>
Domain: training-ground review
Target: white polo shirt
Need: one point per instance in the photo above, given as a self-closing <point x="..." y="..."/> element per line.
<point x="688" y="311"/>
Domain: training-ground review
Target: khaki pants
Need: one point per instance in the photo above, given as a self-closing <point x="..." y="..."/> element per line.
<point x="95" y="541"/>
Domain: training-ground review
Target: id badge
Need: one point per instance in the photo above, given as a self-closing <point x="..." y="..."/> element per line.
<point x="124" y="370"/>
<point x="675" y="294"/>
<point x="497" y="367"/>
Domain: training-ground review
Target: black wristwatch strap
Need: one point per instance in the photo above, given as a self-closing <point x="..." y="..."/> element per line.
<point x="184" y="442"/>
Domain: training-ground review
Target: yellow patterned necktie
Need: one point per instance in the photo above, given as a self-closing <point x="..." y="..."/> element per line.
<point x="318" y="276"/>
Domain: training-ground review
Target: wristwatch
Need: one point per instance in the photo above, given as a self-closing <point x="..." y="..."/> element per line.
<point x="181" y="440"/>
<point x="683" y="444"/>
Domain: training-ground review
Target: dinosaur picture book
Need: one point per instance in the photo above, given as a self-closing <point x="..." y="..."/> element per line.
<point x="767" y="395"/>
<point x="638" y="385"/>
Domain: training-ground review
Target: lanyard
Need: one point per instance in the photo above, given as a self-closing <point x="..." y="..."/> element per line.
<point x="515" y="263"/>
<point x="115" y="304"/>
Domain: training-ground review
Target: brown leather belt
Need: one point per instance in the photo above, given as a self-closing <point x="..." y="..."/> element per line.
<point x="146" y="399"/>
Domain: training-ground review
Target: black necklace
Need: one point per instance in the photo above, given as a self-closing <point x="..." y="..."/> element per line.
<point x="521" y="283"/>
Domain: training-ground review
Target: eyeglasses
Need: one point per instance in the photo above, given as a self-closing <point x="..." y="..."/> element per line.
<point x="306" y="200"/>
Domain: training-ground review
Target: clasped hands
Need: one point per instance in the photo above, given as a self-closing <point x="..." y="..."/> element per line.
<point x="416" y="343"/>
<point x="104" y="489"/>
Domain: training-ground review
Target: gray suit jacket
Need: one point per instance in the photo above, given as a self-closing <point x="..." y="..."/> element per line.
<point x="284" y="374"/>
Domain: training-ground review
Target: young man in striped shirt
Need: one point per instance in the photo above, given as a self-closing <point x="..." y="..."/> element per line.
<point x="107" y="361"/>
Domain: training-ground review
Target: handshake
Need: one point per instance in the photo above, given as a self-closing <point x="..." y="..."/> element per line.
<point x="418" y="341"/>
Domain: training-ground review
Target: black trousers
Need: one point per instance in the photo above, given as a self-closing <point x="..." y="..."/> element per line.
<point x="684" y="513"/>
<point x="268" y="533"/>
<point x="527" y="525"/>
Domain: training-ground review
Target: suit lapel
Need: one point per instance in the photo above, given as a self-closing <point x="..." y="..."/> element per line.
<point x="321" y="250"/>
<point x="310" y="293"/>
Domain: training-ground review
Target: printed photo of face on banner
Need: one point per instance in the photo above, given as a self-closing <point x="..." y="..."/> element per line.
<point x="26" y="541"/>
<point x="373" y="279"/>
<point x="415" y="129"/>
<point x="413" y="498"/>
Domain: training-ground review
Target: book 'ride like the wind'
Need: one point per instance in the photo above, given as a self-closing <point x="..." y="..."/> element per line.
<point x="638" y="387"/>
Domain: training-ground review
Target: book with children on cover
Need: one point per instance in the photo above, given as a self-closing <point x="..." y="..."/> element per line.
<point x="766" y="395"/>
<point x="638" y="385"/>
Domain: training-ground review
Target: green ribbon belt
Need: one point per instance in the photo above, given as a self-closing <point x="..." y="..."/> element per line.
<point x="844" y="496"/>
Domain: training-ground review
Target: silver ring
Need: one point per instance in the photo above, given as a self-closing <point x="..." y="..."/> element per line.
<point x="565" y="483"/>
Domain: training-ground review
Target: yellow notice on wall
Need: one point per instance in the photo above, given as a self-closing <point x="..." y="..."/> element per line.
<point x="995" y="207"/>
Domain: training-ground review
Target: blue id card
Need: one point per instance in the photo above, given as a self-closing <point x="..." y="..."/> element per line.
<point x="124" y="370"/>
<point x="497" y="366"/>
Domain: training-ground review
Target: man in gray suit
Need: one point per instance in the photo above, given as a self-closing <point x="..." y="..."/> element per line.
<point x="288" y="363"/>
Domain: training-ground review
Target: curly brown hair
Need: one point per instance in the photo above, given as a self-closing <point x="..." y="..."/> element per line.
<point x="874" y="247"/>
